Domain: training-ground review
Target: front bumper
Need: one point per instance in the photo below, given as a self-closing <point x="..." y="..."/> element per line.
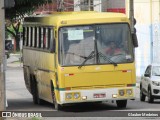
<point x="156" y="91"/>
<point x="96" y="95"/>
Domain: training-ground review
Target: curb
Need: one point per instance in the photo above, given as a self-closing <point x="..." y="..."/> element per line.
<point x="17" y="65"/>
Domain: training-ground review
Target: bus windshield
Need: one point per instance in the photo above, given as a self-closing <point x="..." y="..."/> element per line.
<point x="95" y="44"/>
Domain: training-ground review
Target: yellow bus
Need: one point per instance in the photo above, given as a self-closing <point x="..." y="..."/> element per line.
<point x="75" y="57"/>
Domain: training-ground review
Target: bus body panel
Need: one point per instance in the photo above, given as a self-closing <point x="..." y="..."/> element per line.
<point x="41" y="65"/>
<point x="98" y="75"/>
<point x="96" y="79"/>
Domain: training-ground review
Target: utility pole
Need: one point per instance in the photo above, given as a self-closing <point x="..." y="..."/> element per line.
<point x="131" y="15"/>
<point x="2" y="57"/>
<point x="89" y="5"/>
<point x="60" y="5"/>
<point x="3" y="4"/>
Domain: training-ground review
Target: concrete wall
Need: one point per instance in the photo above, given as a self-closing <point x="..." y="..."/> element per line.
<point x="148" y="31"/>
<point x="143" y="52"/>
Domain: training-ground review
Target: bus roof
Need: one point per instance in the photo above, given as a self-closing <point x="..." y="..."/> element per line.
<point x="82" y="17"/>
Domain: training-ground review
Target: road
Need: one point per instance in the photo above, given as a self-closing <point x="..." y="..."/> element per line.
<point x="19" y="99"/>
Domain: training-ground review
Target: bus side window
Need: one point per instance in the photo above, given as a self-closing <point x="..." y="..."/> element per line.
<point x="31" y="34"/>
<point x="35" y="37"/>
<point x="24" y="36"/>
<point x="46" y="38"/>
<point x="49" y="38"/>
<point x="27" y="38"/>
<point x="39" y="40"/>
<point x="41" y="45"/>
<point x="52" y="41"/>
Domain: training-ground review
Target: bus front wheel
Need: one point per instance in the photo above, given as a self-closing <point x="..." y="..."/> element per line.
<point x="56" y="105"/>
<point x="121" y="103"/>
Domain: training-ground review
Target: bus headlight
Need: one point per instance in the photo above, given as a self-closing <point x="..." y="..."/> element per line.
<point x="68" y="95"/>
<point x="129" y="91"/>
<point x="76" y="95"/>
<point x="121" y="92"/>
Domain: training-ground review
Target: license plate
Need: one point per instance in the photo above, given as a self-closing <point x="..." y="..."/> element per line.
<point x="99" y="95"/>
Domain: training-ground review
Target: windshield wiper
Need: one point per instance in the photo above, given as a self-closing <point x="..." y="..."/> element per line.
<point x="107" y="59"/>
<point x="77" y="55"/>
<point x="90" y="56"/>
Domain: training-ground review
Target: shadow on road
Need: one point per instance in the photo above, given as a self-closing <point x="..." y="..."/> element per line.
<point x="89" y="107"/>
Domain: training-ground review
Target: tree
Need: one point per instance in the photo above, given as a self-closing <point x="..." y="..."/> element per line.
<point x="15" y="15"/>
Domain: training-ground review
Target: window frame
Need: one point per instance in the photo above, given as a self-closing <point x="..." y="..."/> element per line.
<point x="40" y="37"/>
<point x="130" y="43"/>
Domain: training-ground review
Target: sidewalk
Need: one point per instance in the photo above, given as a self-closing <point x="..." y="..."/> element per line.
<point x="13" y="58"/>
<point x="15" y="65"/>
<point x="14" y="61"/>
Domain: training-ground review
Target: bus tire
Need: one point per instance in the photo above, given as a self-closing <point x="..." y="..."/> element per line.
<point x="36" y="99"/>
<point x="33" y="90"/>
<point x="121" y="103"/>
<point x="56" y="105"/>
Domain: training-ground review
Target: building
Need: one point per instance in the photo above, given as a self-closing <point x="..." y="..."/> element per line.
<point x="147" y="13"/>
<point x="100" y="5"/>
<point x="52" y="7"/>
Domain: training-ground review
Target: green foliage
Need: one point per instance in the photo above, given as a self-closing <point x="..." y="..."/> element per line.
<point x="24" y="7"/>
<point x="18" y="12"/>
<point x="13" y="30"/>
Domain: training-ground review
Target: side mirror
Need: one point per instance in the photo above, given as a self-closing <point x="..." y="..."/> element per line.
<point x="146" y="75"/>
<point x="135" y="40"/>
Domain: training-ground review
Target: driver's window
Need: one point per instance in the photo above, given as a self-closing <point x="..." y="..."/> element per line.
<point x="156" y="70"/>
<point x="148" y="70"/>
